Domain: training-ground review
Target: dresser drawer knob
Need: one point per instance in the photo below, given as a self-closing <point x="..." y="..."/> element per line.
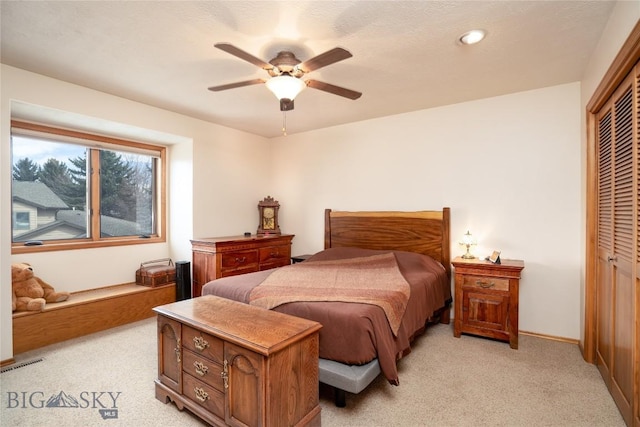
<point x="201" y="368"/>
<point x="201" y="395"/>
<point x="241" y="260"/>
<point x="200" y="343"/>
<point x="485" y="285"/>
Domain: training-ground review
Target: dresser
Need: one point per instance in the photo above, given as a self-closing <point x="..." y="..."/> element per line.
<point x="234" y="364"/>
<point x="217" y="257"/>
<point x="486" y="298"/>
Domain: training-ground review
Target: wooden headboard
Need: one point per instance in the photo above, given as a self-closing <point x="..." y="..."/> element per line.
<point x="425" y="232"/>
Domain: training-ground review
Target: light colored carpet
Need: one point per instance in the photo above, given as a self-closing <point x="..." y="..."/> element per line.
<point x="445" y="381"/>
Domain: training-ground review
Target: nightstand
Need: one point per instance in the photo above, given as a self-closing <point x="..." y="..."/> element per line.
<point x="299" y="258"/>
<point x="486" y="298"/>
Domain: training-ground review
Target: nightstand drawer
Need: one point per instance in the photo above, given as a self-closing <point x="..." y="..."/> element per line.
<point x="480" y="282"/>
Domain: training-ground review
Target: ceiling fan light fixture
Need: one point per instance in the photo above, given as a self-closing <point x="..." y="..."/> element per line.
<point x="285" y="86"/>
<point x="472" y="37"/>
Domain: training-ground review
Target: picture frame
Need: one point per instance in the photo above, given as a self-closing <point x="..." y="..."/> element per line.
<point x="494" y="257"/>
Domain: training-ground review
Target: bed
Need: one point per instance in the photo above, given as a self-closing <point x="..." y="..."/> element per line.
<point x="359" y="340"/>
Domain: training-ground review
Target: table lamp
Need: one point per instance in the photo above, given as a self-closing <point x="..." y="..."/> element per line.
<point x="468" y="240"/>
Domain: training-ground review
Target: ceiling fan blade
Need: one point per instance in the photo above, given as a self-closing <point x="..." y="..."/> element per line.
<point x="332" y="56"/>
<point x="235" y="85"/>
<point x="336" y="90"/>
<point x="229" y="48"/>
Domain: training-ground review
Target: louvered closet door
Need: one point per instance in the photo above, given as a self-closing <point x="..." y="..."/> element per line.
<point x="604" y="288"/>
<point x="617" y="244"/>
<point x="636" y="280"/>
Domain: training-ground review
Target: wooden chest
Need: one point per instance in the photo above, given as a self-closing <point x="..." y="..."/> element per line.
<point x="155" y="273"/>
<point x="234" y="364"/>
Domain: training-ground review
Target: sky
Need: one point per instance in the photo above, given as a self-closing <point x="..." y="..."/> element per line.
<point x="40" y="151"/>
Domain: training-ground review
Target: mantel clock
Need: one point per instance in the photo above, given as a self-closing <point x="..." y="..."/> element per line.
<point x="268" y="210"/>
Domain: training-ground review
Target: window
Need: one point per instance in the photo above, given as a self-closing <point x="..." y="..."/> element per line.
<point x="73" y="189"/>
<point x="21" y="221"/>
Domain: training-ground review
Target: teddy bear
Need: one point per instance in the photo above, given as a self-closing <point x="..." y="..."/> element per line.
<point x="31" y="293"/>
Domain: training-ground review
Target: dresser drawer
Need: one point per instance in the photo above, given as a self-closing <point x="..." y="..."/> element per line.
<point x="203" y="369"/>
<point x="275" y="254"/>
<point x="480" y="282"/>
<point x="204" y="395"/>
<point x="203" y="344"/>
<point x="245" y="260"/>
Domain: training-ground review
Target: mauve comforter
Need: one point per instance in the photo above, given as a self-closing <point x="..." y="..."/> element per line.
<point x="355" y="333"/>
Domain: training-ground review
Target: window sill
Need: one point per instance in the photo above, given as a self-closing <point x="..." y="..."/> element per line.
<point x="20" y="248"/>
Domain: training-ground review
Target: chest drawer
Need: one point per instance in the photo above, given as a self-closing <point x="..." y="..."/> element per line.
<point x="203" y="344"/>
<point x="203" y="369"/>
<point x="239" y="261"/>
<point x="481" y="282"/>
<point x="204" y="395"/>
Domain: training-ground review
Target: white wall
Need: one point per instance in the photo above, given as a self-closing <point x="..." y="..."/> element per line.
<point x="216" y="176"/>
<point x="623" y="19"/>
<point x="509" y="168"/>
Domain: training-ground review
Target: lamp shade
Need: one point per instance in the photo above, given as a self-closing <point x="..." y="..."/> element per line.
<point x="468" y="239"/>
<point x="285" y="86"/>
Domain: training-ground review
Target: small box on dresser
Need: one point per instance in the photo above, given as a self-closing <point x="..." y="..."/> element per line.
<point x="486" y="298"/>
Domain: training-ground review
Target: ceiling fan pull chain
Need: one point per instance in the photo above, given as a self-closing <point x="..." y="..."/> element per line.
<point x="284" y="123"/>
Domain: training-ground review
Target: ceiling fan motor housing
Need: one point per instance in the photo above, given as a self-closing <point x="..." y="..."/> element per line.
<point x="285" y="62"/>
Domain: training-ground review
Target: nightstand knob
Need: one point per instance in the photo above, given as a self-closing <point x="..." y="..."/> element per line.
<point x="612" y="258"/>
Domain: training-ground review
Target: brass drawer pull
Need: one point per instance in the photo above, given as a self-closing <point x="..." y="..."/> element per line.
<point x="201" y="395"/>
<point x="200" y="343"/>
<point x="485" y="285"/>
<point x="201" y="368"/>
<point x="241" y="260"/>
<point x="225" y="374"/>
<point x="178" y="350"/>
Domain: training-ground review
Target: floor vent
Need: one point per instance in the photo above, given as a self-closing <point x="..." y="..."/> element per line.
<point x="19" y="365"/>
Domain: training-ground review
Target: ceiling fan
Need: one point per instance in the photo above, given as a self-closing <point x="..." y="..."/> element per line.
<point x="286" y="72"/>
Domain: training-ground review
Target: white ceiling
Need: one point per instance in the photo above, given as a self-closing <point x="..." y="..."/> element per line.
<point x="405" y="55"/>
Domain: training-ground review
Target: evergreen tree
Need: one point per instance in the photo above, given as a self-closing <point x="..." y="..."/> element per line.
<point x="117" y="187"/>
<point x="77" y="194"/>
<point x="25" y="170"/>
<point x="55" y="175"/>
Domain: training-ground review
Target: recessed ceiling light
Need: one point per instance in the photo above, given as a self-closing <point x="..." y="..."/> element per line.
<point x="472" y="37"/>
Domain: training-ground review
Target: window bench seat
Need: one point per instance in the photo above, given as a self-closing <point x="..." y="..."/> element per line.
<point x="87" y="312"/>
